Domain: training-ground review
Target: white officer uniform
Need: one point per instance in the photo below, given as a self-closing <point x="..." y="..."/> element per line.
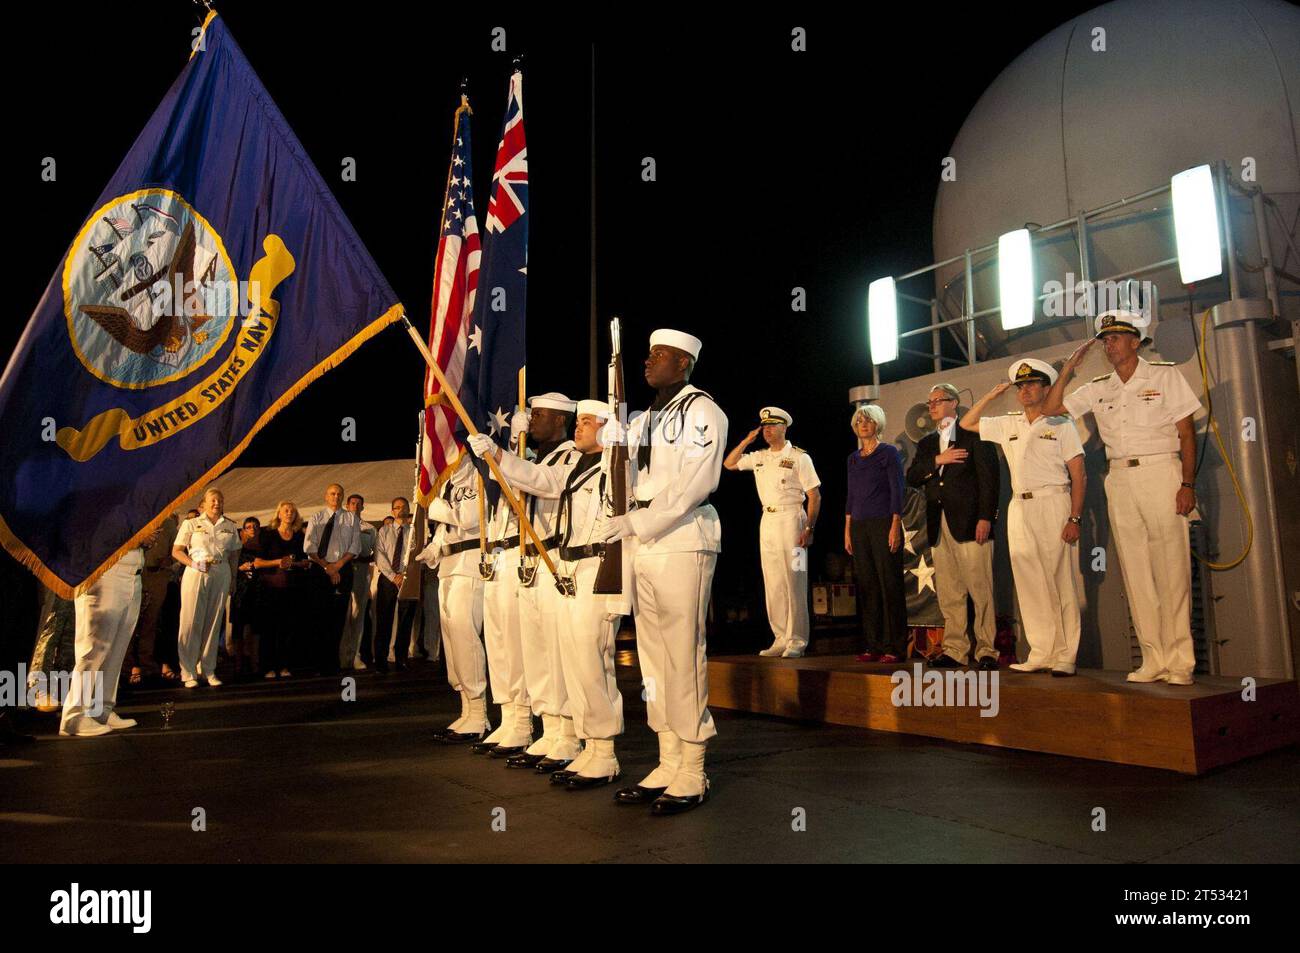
<point x="203" y="594"/>
<point x="362" y="579"/>
<point x="587" y="623"/>
<point x="454" y="549"/>
<point x="783" y="478"/>
<point x="106" y="617"/>
<point x="501" y="631"/>
<point x="1049" y="584"/>
<point x="678" y="536"/>
<point x="1137" y="422"/>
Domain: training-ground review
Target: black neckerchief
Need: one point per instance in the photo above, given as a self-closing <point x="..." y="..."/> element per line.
<point x="576" y="479"/>
<point x="663" y="397"/>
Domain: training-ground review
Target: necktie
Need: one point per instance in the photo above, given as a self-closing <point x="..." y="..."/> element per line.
<point x="400" y="549"/>
<point x="324" y="550"/>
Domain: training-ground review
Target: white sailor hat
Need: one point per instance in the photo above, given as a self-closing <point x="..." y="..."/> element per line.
<point x="1131" y="311"/>
<point x="553" y="400"/>
<point x="678" y="339"/>
<point x="597" y="408"/>
<point x="1030" y="369"/>
<point x="774" y="415"/>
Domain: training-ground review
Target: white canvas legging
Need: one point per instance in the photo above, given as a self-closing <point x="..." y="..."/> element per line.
<point x="203" y="603"/>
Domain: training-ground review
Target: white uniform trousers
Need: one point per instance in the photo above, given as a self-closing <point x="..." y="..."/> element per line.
<point x="203" y="599"/>
<point x="106" y="617"/>
<point x="460" y="600"/>
<point x="586" y="643"/>
<point x="672" y="603"/>
<point x="961" y="568"/>
<point x="501" y="632"/>
<point x="539" y="627"/>
<point x="785" y="580"/>
<point x="1049" y="583"/>
<point x="1155" y="558"/>
<point x="358" y="606"/>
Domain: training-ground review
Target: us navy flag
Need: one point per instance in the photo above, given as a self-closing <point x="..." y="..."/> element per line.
<point x="496" y="353"/>
<point x="214" y="280"/>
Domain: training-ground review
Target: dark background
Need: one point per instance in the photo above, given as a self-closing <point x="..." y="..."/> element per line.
<point x="775" y="169"/>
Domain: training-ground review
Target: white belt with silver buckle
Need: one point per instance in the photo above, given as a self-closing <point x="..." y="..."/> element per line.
<point x="1041" y="491"/>
<point x="782" y="506"/>
<point x="1145" y="458"/>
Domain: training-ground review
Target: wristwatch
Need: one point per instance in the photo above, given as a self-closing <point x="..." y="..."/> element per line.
<point x="1190" y="486"/>
<point x="1076" y="520"/>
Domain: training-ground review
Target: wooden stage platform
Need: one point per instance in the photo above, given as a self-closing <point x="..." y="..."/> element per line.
<point x="1096" y="714"/>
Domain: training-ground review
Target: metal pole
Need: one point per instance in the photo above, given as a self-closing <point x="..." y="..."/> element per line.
<point x="970" y="311"/>
<point x="1265" y="250"/>
<point x="936" y="344"/>
<point x="591" y="346"/>
<point x="1228" y="242"/>
<point x="1085" y="273"/>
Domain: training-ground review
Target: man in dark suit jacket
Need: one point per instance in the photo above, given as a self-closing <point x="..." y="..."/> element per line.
<point x="959" y="473"/>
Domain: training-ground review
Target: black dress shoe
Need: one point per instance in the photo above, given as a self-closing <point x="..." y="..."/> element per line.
<point x="503" y="752"/>
<point x="581" y="782"/>
<point x="483" y="747"/>
<point x="461" y="737"/>
<point x="987" y="664"/>
<point x="524" y="760"/>
<point x="562" y="776"/>
<point x="547" y="765"/>
<point x="945" y="661"/>
<point x="636" y="794"/>
<point x="671" y="804"/>
<point x="1059" y="674"/>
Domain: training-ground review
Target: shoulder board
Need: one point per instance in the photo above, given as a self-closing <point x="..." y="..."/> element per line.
<point x="1101" y="378"/>
<point x="1015" y="413"/>
<point x="795" y="449"/>
<point x="1162" y="363"/>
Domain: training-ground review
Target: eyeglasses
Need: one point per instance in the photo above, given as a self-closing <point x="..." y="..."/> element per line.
<point x="941" y="400"/>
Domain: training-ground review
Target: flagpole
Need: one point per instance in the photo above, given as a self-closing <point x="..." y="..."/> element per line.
<point x="525" y="525"/>
<point x="591" y="352"/>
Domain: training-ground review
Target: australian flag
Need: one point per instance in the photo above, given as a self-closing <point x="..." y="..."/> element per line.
<point x="493" y="368"/>
<point x="215" y="278"/>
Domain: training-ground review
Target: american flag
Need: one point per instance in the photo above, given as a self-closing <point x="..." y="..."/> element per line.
<point x="455" y="279"/>
<point x="491" y="383"/>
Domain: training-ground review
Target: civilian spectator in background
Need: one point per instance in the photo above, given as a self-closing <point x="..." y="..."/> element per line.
<point x="205" y="544"/>
<point x="158" y="564"/>
<point x="391" y="553"/>
<point x="283" y="588"/>
<point x="873" y="536"/>
<point x="359" y="601"/>
<point x="241" y="639"/>
<point x="333" y="540"/>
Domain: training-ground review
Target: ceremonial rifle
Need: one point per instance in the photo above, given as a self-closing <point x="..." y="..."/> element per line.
<point x="609" y="577"/>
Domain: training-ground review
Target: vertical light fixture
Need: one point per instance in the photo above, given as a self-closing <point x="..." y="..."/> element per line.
<point x="1196" y="224"/>
<point x="1016" y="290"/>
<point x="882" y="320"/>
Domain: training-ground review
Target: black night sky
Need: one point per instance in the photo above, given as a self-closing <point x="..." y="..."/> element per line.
<point x="775" y="169"/>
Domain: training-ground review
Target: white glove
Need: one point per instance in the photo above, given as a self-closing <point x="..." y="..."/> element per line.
<point x="482" y="445"/>
<point x="612" y="529"/>
<point x="613" y="434"/>
<point x="519" y="421"/>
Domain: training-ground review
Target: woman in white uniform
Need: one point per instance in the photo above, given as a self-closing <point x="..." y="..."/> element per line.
<point x="204" y="545"/>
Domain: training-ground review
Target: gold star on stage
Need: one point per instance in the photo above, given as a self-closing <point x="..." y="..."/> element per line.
<point x="924" y="576"/>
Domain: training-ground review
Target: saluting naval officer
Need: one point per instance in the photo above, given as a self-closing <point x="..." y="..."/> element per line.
<point x="204" y="544"/>
<point x="454" y="551"/>
<point x="786" y="481"/>
<point x="677" y="449"/>
<point x="1045" y="457"/>
<point x="1144" y="412"/>
<point x="106" y="614"/>
<point x="589" y="622"/>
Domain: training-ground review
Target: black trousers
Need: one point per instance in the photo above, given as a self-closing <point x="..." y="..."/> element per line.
<point x="386" y="602"/>
<point x="279" y="627"/>
<point x="882" y="602"/>
<point x="332" y="602"/>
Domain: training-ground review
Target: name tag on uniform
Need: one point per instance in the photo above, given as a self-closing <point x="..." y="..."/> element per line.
<point x="787" y="464"/>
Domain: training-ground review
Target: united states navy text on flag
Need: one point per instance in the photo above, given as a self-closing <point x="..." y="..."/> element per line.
<point x="214" y="280"/>
<point x="496" y="351"/>
<point x="455" y="279"/>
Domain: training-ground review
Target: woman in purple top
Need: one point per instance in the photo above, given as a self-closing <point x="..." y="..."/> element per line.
<point x="873" y="536"/>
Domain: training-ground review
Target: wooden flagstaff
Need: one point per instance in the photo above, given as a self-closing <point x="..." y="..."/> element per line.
<point x="525" y="525"/>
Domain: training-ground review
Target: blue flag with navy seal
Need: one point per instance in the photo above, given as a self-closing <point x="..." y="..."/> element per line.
<point x="214" y="280"/>
<point x="495" y="359"/>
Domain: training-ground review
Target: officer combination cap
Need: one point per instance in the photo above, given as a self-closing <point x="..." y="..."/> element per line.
<point x="774" y="415"/>
<point x="1030" y="369"/>
<point x="678" y="339"/>
<point x="553" y="400"/>
<point x="596" y="408"/>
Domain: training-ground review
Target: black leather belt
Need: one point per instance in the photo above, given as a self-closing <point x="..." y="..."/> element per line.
<point x="549" y="542"/>
<point x="451" y="549"/>
<point x="510" y="542"/>
<point x="574" y="553"/>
